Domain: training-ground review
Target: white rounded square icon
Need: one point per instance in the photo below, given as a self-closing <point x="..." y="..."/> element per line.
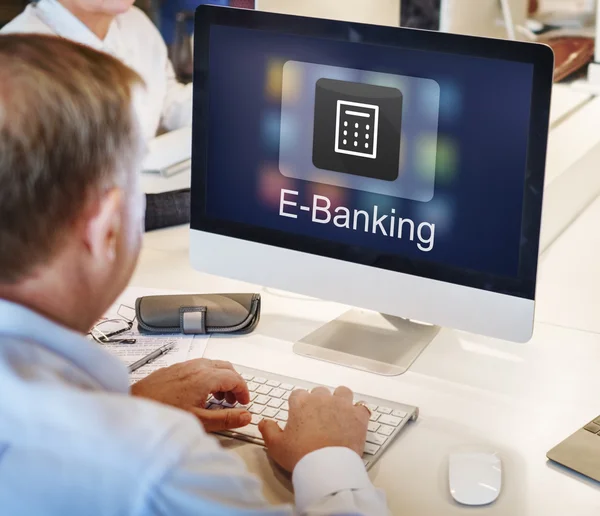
<point x="358" y="130"/>
<point x="350" y="117"/>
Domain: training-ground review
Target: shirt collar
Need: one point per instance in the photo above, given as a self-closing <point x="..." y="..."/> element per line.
<point x="65" y="24"/>
<point x="84" y="354"/>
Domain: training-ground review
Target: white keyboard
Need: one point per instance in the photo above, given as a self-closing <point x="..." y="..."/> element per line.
<point x="269" y="394"/>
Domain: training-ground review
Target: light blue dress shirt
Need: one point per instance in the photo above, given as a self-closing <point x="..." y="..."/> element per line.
<point x="73" y="441"/>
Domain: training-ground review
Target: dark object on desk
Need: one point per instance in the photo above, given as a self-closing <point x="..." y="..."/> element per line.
<point x="167" y="209"/>
<point x="420" y="14"/>
<point x="571" y="54"/>
<point x="581" y="451"/>
<point x="10" y="9"/>
<point x="198" y="313"/>
<point x="180" y="51"/>
<point x="534" y="5"/>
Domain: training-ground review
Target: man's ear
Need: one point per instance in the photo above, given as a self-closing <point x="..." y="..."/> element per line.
<point x="104" y="226"/>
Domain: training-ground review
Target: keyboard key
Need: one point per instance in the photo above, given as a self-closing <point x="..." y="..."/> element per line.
<point x="287" y="386"/>
<point x="264" y="389"/>
<point x="385" y="430"/>
<point x="372" y="408"/>
<point x="376" y="438"/>
<point x="274" y="402"/>
<point x="374" y="416"/>
<point x="399" y="413"/>
<point x="260" y="379"/>
<point x="285" y="406"/>
<point x="249" y="430"/>
<point x="371" y="449"/>
<point x="282" y="424"/>
<point x="269" y="412"/>
<point x="247" y="377"/>
<point x="373" y="426"/>
<point x="215" y="401"/>
<point x="273" y="383"/>
<point x="253" y="396"/>
<point x="389" y="420"/>
<point x="256" y="409"/>
<point x="252" y="386"/>
<point x="261" y="399"/>
<point x="366" y="462"/>
<point x="384" y="410"/>
<point x="282" y="415"/>
<point x="256" y="418"/>
<point x="597" y="420"/>
<point x="592" y="427"/>
<point x="277" y="393"/>
<point x="226" y="404"/>
<point x="286" y="396"/>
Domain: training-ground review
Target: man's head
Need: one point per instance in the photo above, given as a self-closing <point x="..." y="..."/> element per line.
<point x="70" y="150"/>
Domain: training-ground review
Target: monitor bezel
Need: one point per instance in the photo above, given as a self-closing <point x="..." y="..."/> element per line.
<point x="540" y="56"/>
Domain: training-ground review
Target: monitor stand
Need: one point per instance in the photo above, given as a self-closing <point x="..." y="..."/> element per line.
<point x="369" y="341"/>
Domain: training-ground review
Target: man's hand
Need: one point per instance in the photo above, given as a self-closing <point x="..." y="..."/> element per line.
<point x="316" y="420"/>
<point x="189" y="384"/>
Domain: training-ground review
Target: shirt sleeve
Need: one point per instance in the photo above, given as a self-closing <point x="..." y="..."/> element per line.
<point x="334" y="481"/>
<point x="206" y="479"/>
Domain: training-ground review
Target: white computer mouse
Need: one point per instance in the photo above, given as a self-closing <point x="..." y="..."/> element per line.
<point x="475" y="478"/>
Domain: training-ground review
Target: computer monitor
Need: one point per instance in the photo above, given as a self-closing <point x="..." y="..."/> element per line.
<point x="395" y="170"/>
<point x="380" y="12"/>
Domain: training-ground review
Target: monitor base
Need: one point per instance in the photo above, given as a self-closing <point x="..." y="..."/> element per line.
<point x="373" y="342"/>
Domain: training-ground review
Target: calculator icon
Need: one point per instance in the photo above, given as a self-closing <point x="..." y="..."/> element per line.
<point x="357" y="129"/>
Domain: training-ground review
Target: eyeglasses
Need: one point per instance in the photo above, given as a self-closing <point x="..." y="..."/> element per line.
<point x="107" y="331"/>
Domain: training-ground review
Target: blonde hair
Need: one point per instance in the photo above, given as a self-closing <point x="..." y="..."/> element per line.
<point x="67" y="132"/>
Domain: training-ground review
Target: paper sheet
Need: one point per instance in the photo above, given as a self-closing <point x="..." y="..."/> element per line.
<point x="186" y="347"/>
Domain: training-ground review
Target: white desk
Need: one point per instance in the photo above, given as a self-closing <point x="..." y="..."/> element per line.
<point x="569" y="278"/>
<point x="518" y="399"/>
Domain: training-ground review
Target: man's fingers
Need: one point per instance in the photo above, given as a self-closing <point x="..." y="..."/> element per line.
<point x="321" y="391"/>
<point x="226" y="419"/>
<point x="222" y="364"/>
<point x="365" y="411"/>
<point x="230" y="398"/>
<point x="344" y="392"/>
<point x="297" y="397"/>
<point x="226" y="381"/>
<point x="270" y="431"/>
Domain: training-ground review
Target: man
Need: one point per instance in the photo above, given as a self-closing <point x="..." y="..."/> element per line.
<point x="73" y="439"/>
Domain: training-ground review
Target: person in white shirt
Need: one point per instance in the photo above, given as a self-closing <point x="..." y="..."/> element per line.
<point x="75" y="438"/>
<point x="124" y="31"/>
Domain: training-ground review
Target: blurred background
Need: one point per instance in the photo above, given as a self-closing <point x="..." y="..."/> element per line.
<point x="174" y="20"/>
<point x="541" y="20"/>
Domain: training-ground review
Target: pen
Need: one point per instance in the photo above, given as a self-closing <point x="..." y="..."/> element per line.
<point x="163" y="350"/>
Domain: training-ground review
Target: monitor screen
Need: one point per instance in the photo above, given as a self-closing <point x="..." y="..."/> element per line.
<point x="404" y="158"/>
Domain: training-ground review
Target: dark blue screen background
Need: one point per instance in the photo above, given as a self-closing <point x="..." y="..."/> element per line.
<point x="483" y="130"/>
